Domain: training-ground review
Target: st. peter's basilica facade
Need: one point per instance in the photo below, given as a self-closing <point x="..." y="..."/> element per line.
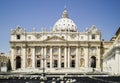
<point x="61" y="48"/>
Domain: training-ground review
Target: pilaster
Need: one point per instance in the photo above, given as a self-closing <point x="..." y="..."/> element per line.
<point x="65" y="59"/>
<point x="45" y="53"/>
<point x="117" y="61"/>
<point x="86" y="57"/>
<point x="13" y="58"/>
<point x="42" y="57"/>
<point x="23" y="57"/>
<point x="77" y="57"/>
<point x="98" y="57"/>
<point x="59" y="61"/>
<point x="68" y="57"/>
<point x="33" y="57"/>
<point x="51" y="63"/>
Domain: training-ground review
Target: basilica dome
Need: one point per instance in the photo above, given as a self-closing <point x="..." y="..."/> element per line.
<point x="65" y="24"/>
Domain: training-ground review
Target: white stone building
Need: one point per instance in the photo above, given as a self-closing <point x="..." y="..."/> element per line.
<point x="3" y="62"/>
<point x="63" y="48"/>
<point x="111" y="59"/>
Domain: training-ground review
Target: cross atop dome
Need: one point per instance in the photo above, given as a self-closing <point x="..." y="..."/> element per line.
<point x="65" y="13"/>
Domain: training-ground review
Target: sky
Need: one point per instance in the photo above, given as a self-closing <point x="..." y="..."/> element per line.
<point x="29" y="14"/>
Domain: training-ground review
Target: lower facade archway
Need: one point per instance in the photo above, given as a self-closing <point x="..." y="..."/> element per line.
<point x="93" y="62"/>
<point x="18" y="62"/>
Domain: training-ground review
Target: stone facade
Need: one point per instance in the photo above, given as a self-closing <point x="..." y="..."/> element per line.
<point x="111" y="59"/>
<point x="4" y="59"/>
<point x="64" y="47"/>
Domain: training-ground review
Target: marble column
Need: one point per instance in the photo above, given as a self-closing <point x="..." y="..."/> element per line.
<point x="13" y="58"/>
<point x="68" y="57"/>
<point x="45" y="54"/>
<point x="98" y="58"/>
<point x="23" y="58"/>
<point x="42" y="57"/>
<point x="117" y="61"/>
<point x="86" y="56"/>
<point x="51" y="63"/>
<point x="59" y="58"/>
<point x="77" y="57"/>
<point x="33" y="57"/>
<point x="65" y="57"/>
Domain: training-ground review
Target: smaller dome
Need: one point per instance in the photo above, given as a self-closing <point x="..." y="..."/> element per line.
<point x="65" y="24"/>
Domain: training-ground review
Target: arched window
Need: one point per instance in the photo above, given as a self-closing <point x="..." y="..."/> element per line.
<point x="18" y="62"/>
<point x="93" y="62"/>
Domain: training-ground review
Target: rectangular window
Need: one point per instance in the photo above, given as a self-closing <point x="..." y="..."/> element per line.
<point x="48" y="64"/>
<point x="38" y="63"/>
<point x="62" y="64"/>
<point x="55" y="63"/>
<point x="18" y="36"/>
<point x="72" y="63"/>
<point x="93" y="36"/>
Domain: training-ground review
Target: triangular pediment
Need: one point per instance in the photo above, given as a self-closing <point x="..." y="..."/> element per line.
<point x="54" y="38"/>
